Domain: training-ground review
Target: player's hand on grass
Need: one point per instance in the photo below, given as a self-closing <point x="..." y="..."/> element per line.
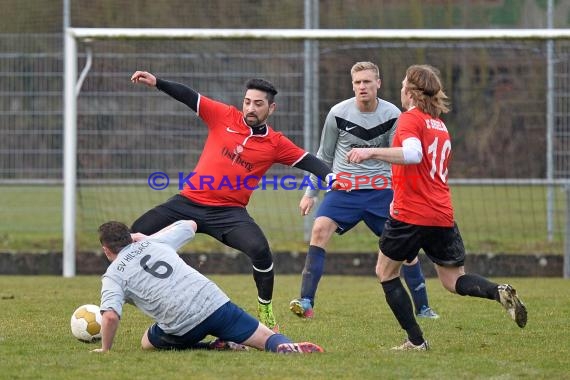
<point x="138" y="236"/>
<point x="306" y="204"/>
<point x="144" y="77"/>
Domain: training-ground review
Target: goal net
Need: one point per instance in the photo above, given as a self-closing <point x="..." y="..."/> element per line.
<point x="497" y="81"/>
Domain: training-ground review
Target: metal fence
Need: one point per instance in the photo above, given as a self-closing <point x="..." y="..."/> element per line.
<point x="498" y="88"/>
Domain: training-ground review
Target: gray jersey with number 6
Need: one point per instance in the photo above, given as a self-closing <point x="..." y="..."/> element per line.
<point x="150" y="275"/>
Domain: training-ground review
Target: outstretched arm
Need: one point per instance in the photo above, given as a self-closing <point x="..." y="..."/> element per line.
<point x="190" y="223"/>
<point x="409" y="154"/>
<point x="178" y="91"/>
<point x="313" y="165"/>
<point x="316" y="166"/>
<point x="177" y="234"/>
<point x="140" y="236"/>
<point x="391" y="155"/>
<point x="144" y="77"/>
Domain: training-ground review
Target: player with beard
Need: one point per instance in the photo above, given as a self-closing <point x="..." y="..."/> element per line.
<point x="238" y="151"/>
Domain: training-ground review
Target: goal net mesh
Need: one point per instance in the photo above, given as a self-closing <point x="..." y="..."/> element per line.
<point x="498" y="90"/>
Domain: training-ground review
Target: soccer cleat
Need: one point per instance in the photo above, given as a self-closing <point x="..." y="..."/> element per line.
<point x="298" y="348"/>
<point x="427" y="312"/>
<point x="265" y="316"/>
<point x="409" y="346"/>
<point x="514" y="306"/>
<point x="226" y="345"/>
<point x="302" y="307"/>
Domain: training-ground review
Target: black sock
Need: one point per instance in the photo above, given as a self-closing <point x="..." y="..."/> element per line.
<point x="264" y="282"/>
<point x="476" y="286"/>
<point x="399" y="301"/>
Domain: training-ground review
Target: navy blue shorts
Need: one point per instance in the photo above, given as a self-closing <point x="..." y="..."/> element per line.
<point x="443" y="245"/>
<point x="229" y="323"/>
<point x="347" y="208"/>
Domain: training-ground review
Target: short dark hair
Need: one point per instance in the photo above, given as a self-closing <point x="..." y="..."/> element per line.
<point x="262" y="85"/>
<point x="114" y="235"/>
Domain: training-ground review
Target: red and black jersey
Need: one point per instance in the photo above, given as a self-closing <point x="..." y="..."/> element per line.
<point x="234" y="159"/>
<point x="421" y="194"/>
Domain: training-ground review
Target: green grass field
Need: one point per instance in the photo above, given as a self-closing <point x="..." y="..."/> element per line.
<point x="498" y="219"/>
<point x="473" y="339"/>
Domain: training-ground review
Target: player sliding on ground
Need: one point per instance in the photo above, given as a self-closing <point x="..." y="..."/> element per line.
<point x="185" y="305"/>
<point x="421" y="214"/>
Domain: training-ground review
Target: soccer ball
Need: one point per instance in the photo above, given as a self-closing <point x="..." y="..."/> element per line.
<point x="86" y="323"/>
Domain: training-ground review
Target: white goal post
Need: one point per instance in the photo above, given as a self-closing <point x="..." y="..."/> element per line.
<point x="320" y="34"/>
<point x="71" y="85"/>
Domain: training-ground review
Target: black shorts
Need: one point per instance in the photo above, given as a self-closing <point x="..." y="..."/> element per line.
<point x="402" y="242"/>
<point x="215" y="221"/>
<point x="231" y="225"/>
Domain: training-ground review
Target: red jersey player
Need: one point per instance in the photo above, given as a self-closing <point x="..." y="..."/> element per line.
<point x="421" y="214"/>
<point x="238" y="151"/>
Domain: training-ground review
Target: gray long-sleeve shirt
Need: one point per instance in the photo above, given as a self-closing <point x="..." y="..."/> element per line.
<point x="346" y="127"/>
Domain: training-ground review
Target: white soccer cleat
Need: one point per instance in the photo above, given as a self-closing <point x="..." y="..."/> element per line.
<point x="514" y="306"/>
<point x="409" y="346"/>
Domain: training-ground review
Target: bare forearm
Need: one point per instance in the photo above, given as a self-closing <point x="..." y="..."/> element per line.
<point x="391" y="155"/>
<point x="110" y="324"/>
<point x="108" y="333"/>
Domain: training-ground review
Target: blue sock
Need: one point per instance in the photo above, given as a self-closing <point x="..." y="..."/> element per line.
<point x="312" y="272"/>
<point x="416" y="282"/>
<point x="275" y="340"/>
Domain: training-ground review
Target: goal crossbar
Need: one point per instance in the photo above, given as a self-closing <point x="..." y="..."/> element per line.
<point x="319" y="34"/>
<point x="73" y="35"/>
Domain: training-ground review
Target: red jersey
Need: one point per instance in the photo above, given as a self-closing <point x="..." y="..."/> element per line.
<point x="234" y="159"/>
<point x="421" y="194"/>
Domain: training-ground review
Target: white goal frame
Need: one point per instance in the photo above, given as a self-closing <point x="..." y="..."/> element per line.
<point x="72" y="87"/>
